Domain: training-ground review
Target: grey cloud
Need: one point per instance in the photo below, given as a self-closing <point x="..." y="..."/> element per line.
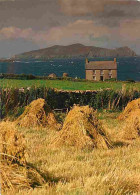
<point x="38" y="14"/>
<point x="100" y="39"/>
<point x="109" y="12"/>
<point x="54" y="21"/>
<point x="6" y="0"/>
<point x="95" y="7"/>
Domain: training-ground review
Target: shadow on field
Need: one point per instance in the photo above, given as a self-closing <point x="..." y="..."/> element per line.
<point x="49" y="178"/>
<point x="120" y="144"/>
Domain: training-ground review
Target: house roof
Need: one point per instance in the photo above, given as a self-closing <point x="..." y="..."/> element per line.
<point x="101" y="65"/>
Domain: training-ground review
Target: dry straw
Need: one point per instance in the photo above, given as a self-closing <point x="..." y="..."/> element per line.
<point x="131" y="129"/>
<point x="131" y="118"/>
<point x="14" y="171"/>
<point x="13" y="177"/>
<point x="37" y="115"/>
<point x="12" y="145"/>
<point x="82" y="130"/>
<point x="131" y="106"/>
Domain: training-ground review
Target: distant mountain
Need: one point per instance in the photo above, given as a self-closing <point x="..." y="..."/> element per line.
<point x="75" y="51"/>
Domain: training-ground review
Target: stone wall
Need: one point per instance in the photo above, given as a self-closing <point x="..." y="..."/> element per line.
<point x="106" y="74"/>
<point x="114" y="74"/>
<point x="90" y="74"/>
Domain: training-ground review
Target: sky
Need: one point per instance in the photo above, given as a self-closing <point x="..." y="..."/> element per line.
<point x="27" y="25"/>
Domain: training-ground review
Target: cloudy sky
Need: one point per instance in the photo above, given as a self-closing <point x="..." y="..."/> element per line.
<point x="32" y="24"/>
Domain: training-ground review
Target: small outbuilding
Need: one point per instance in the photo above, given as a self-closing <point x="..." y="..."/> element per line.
<point x="65" y="74"/>
<point x="52" y="75"/>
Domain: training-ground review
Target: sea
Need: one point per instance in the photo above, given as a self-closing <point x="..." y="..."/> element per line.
<point x="128" y="67"/>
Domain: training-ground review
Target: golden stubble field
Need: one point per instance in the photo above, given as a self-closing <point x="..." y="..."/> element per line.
<point x="50" y="158"/>
<point x="70" y="171"/>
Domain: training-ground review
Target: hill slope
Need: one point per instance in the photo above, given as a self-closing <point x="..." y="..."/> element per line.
<point x="75" y="51"/>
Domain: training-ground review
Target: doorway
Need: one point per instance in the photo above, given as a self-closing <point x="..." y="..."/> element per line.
<point x="101" y="78"/>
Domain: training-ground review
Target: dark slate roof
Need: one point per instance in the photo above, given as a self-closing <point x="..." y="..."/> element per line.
<point x="101" y="65"/>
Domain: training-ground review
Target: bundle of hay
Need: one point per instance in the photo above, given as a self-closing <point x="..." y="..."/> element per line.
<point x="131" y="106"/>
<point x="13" y="177"/>
<point x="131" y="120"/>
<point x="131" y="128"/>
<point x="37" y="114"/>
<point x="12" y="145"/>
<point x="16" y="177"/>
<point x="14" y="171"/>
<point x="82" y="130"/>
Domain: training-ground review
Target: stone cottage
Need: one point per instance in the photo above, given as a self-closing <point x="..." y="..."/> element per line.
<point x="101" y="70"/>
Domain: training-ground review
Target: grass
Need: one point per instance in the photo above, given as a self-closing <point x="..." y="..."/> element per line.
<point x="82" y="172"/>
<point x="67" y="85"/>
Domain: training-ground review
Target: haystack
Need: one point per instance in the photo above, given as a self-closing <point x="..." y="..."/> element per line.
<point x="16" y="177"/>
<point x="37" y="114"/>
<point x="13" y="177"/>
<point x="12" y="145"/>
<point x="14" y="171"/>
<point x="131" y="128"/>
<point x="82" y="130"/>
<point x="131" y="120"/>
<point x="131" y="106"/>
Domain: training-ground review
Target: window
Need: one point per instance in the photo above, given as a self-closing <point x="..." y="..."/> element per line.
<point x="94" y="78"/>
<point x="101" y="72"/>
<point x="94" y="72"/>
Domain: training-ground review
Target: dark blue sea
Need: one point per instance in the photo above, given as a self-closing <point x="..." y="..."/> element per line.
<point x="128" y="67"/>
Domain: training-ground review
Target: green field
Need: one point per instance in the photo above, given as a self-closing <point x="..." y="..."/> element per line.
<point x="68" y="85"/>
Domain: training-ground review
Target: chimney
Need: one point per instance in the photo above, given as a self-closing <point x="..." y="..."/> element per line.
<point x="87" y="61"/>
<point x="115" y="60"/>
